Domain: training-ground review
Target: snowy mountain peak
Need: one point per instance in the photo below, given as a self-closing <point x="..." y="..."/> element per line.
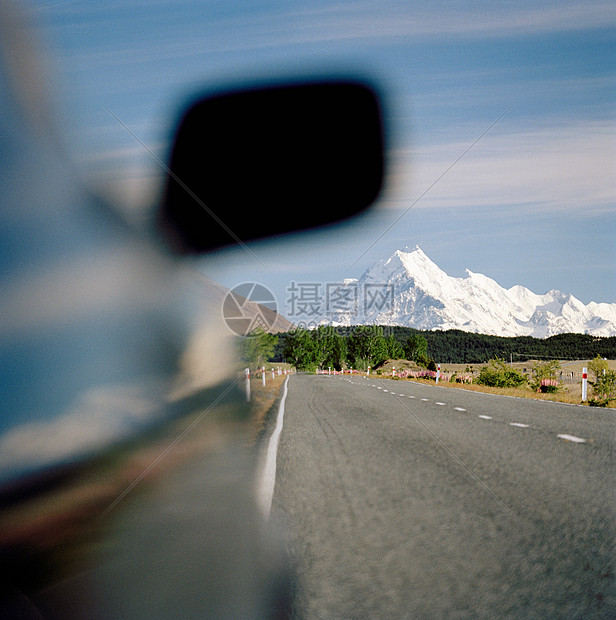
<point x="416" y="257"/>
<point x="417" y="265"/>
<point x="417" y="293"/>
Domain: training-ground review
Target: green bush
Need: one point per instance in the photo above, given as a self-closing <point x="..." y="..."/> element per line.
<point x="599" y="402"/>
<point x="544" y="375"/>
<point x="498" y="374"/>
<point x="598" y="366"/>
<point x="604" y="389"/>
<point x="550" y="388"/>
<point x="431" y="365"/>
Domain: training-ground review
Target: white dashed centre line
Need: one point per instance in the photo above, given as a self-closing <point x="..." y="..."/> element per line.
<point x="572" y="438"/>
<point x="563" y="436"/>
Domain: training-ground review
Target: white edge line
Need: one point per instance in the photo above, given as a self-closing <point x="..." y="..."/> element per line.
<point x="267" y="478"/>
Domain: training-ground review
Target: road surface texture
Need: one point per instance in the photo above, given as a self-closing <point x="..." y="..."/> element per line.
<point x="402" y="500"/>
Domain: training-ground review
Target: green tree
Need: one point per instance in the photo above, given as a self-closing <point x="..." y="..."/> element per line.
<point x="394" y="348"/>
<point x="366" y="346"/>
<point x="338" y="352"/>
<point x="301" y="350"/>
<point x="416" y="348"/>
<point x="258" y="347"/>
<point x="330" y="347"/>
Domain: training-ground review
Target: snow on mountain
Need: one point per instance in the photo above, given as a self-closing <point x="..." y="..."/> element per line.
<point x="409" y="289"/>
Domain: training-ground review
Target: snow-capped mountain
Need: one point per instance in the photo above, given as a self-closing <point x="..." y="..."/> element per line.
<point x="409" y="289"/>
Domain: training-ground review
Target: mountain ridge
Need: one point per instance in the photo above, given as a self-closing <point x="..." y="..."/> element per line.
<point x="419" y="294"/>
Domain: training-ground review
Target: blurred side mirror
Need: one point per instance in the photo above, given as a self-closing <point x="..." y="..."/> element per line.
<point x="257" y="163"/>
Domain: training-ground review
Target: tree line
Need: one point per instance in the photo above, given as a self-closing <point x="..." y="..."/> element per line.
<point x="361" y="347"/>
<point x="366" y="345"/>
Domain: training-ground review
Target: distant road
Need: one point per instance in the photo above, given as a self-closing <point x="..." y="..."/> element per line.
<point x="410" y="501"/>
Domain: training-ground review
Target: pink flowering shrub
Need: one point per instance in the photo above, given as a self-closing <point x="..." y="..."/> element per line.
<point x="548" y="386"/>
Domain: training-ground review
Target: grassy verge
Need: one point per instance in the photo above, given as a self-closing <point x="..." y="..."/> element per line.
<point x="262" y="400"/>
<point x="567" y="394"/>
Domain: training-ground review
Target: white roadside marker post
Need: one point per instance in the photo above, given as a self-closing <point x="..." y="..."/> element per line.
<point x="263" y="375"/>
<point x="394" y="372"/>
<point x="584" y="383"/>
<point x="438" y="373"/>
<point x="368" y="370"/>
<point x="247" y="372"/>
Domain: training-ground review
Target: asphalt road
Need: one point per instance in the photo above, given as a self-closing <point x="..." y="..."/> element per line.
<point x="403" y="500"/>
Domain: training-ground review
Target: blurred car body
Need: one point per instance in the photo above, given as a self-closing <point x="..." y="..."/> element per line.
<point x="112" y="351"/>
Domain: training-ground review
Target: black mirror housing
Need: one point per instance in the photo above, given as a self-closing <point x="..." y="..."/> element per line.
<point x="252" y="164"/>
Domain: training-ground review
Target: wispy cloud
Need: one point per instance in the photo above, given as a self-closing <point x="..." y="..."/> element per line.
<point x="421" y="19"/>
<point x="559" y="168"/>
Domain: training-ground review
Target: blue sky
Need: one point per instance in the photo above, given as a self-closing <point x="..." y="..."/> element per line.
<point x="532" y="203"/>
